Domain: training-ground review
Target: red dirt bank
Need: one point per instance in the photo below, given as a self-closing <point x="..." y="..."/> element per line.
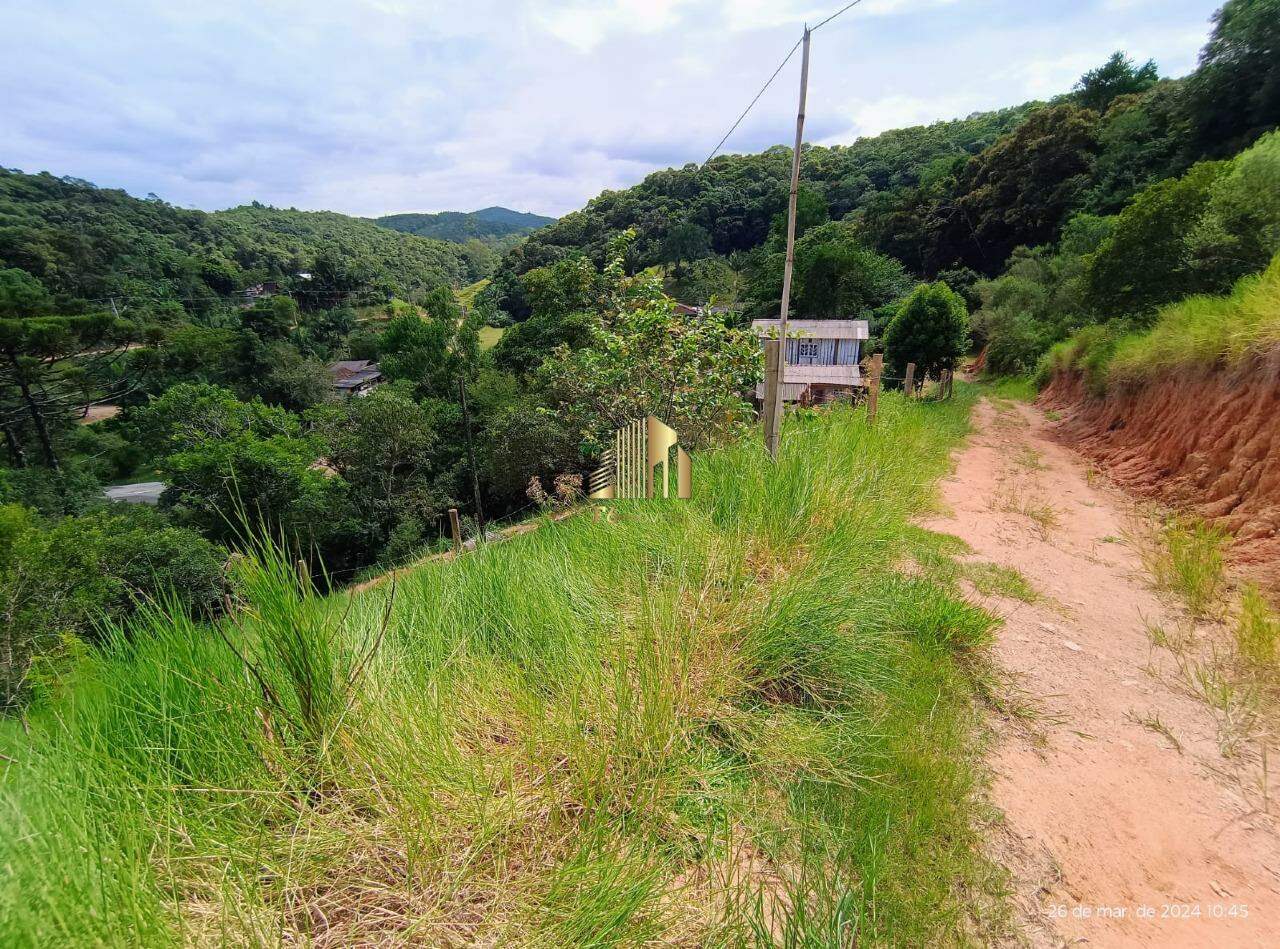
<point x="1208" y="443"/>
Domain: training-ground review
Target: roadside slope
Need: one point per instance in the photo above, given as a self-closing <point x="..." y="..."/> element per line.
<point x="1101" y="809"/>
<point x="1206" y="442"/>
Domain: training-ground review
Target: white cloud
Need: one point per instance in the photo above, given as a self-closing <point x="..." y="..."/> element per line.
<point x="370" y="106"/>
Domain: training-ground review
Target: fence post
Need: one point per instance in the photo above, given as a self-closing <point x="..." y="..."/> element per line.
<point x="772" y="392"/>
<point x="873" y="393"/>
<point x="456" y="528"/>
<point x="909" y="382"/>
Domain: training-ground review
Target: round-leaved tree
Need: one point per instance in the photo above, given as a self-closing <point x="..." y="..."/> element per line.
<point x="931" y="329"/>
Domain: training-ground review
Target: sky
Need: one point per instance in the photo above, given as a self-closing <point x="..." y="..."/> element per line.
<point x="378" y="106"/>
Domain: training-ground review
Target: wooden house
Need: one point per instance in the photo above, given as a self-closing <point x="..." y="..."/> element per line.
<point x="355" y="376"/>
<point x="821" y="358"/>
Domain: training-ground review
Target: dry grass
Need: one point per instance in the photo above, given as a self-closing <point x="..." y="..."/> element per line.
<point x="1015" y="500"/>
<point x="1152" y="722"/>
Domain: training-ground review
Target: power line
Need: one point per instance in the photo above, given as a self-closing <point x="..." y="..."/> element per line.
<point x="735" y="125"/>
<point x="843" y="10"/>
<point x="786" y="59"/>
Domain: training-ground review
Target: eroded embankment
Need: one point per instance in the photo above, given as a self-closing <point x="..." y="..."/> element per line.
<point x="1204" y="442"/>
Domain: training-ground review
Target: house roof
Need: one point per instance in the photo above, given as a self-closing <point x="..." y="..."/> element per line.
<point x="353" y="373"/>
<point x="817" y="329"/>
<point x="356" y="380"/>
<point x="345" y="367"/>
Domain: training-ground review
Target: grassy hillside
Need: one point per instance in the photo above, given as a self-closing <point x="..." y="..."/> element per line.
<point x="716" y="722"/>
<point x="1200" y="332"/>
<point x="490" y="225"/>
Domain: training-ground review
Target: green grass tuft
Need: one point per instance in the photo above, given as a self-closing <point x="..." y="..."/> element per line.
<point x="1257" y="629"/>
<point x="1186" y="557"/>
<point x="1014" y="388"/>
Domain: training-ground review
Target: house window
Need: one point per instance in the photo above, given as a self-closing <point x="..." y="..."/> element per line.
<point x="808" y="351"/>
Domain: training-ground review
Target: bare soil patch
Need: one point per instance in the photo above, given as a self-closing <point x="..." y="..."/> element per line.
<point x="1207" y="442"/>
<point x="1128" y="819"/>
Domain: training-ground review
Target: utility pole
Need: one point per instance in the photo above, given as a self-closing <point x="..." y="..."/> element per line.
<point x="773" y="429"/>
<point x="471" y="454"/>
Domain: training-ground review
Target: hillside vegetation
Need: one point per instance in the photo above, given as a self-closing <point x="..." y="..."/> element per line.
<point x="497" y="226"/>
<point x="86" y="244"/>
<point x="1005" y="207"/>
<point x="1199" y="333"/>
<point x="713" y="722"/>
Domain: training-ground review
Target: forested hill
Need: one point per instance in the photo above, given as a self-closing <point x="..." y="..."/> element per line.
<point x="734" y="199"/>
<point x="86" y="244"/>
<point x="490" y="225"/>
<point x="953" y="199"/>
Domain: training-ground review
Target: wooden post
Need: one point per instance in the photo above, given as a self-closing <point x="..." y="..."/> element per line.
<point x="471" y="454"/>
<point x="908" y="385"/>
<point x="873" y="393"/>
<point x="456" y="529"/>
<point x="789" y="261"/>
<point x="772" y="393"/>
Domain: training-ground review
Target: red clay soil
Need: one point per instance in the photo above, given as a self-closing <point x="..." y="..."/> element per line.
<point x="1207" y="443"/>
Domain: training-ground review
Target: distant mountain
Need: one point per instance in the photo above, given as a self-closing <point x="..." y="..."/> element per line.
<point x="492" y="225"/>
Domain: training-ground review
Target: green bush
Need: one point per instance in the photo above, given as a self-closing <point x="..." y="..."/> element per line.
<point x="930" y="330"/>
<point x="72" y="575"/>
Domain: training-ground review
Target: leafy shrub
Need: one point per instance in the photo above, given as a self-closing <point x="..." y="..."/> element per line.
<point x="70" y="576"/>
<point x="930" y="330"/>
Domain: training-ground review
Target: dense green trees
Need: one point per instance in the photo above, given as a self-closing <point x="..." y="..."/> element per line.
<point x="1234" y="96"/>
<point x="493" y="226"/>
<point x="1143" y="263"/>
<point x="1098" y="88"/>
<point x="1195" y="234"/>
<point x="383" y="449"/>
<point x="1142" y="139"/>
<point x="561" y="297"/>
<point x="87" y="244"/>
<point x="1016" y="193"/>
<point x="53" y="367"/>
<point x="738" y="199"/>
<point x="1039" y="299"/>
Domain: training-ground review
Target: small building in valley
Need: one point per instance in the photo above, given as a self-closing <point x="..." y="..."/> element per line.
<point x="821" y="358"/>
<point x="355" y="376"/>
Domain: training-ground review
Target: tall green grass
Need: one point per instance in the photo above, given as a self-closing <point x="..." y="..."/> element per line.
<point x="1201" y="331"/>
<point x="727" y="721"/>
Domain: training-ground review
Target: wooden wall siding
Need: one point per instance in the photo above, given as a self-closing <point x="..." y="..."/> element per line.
<point x="831" y="352"/>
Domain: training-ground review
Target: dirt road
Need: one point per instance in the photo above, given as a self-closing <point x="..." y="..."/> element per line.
<point x="1132" y="814"/>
